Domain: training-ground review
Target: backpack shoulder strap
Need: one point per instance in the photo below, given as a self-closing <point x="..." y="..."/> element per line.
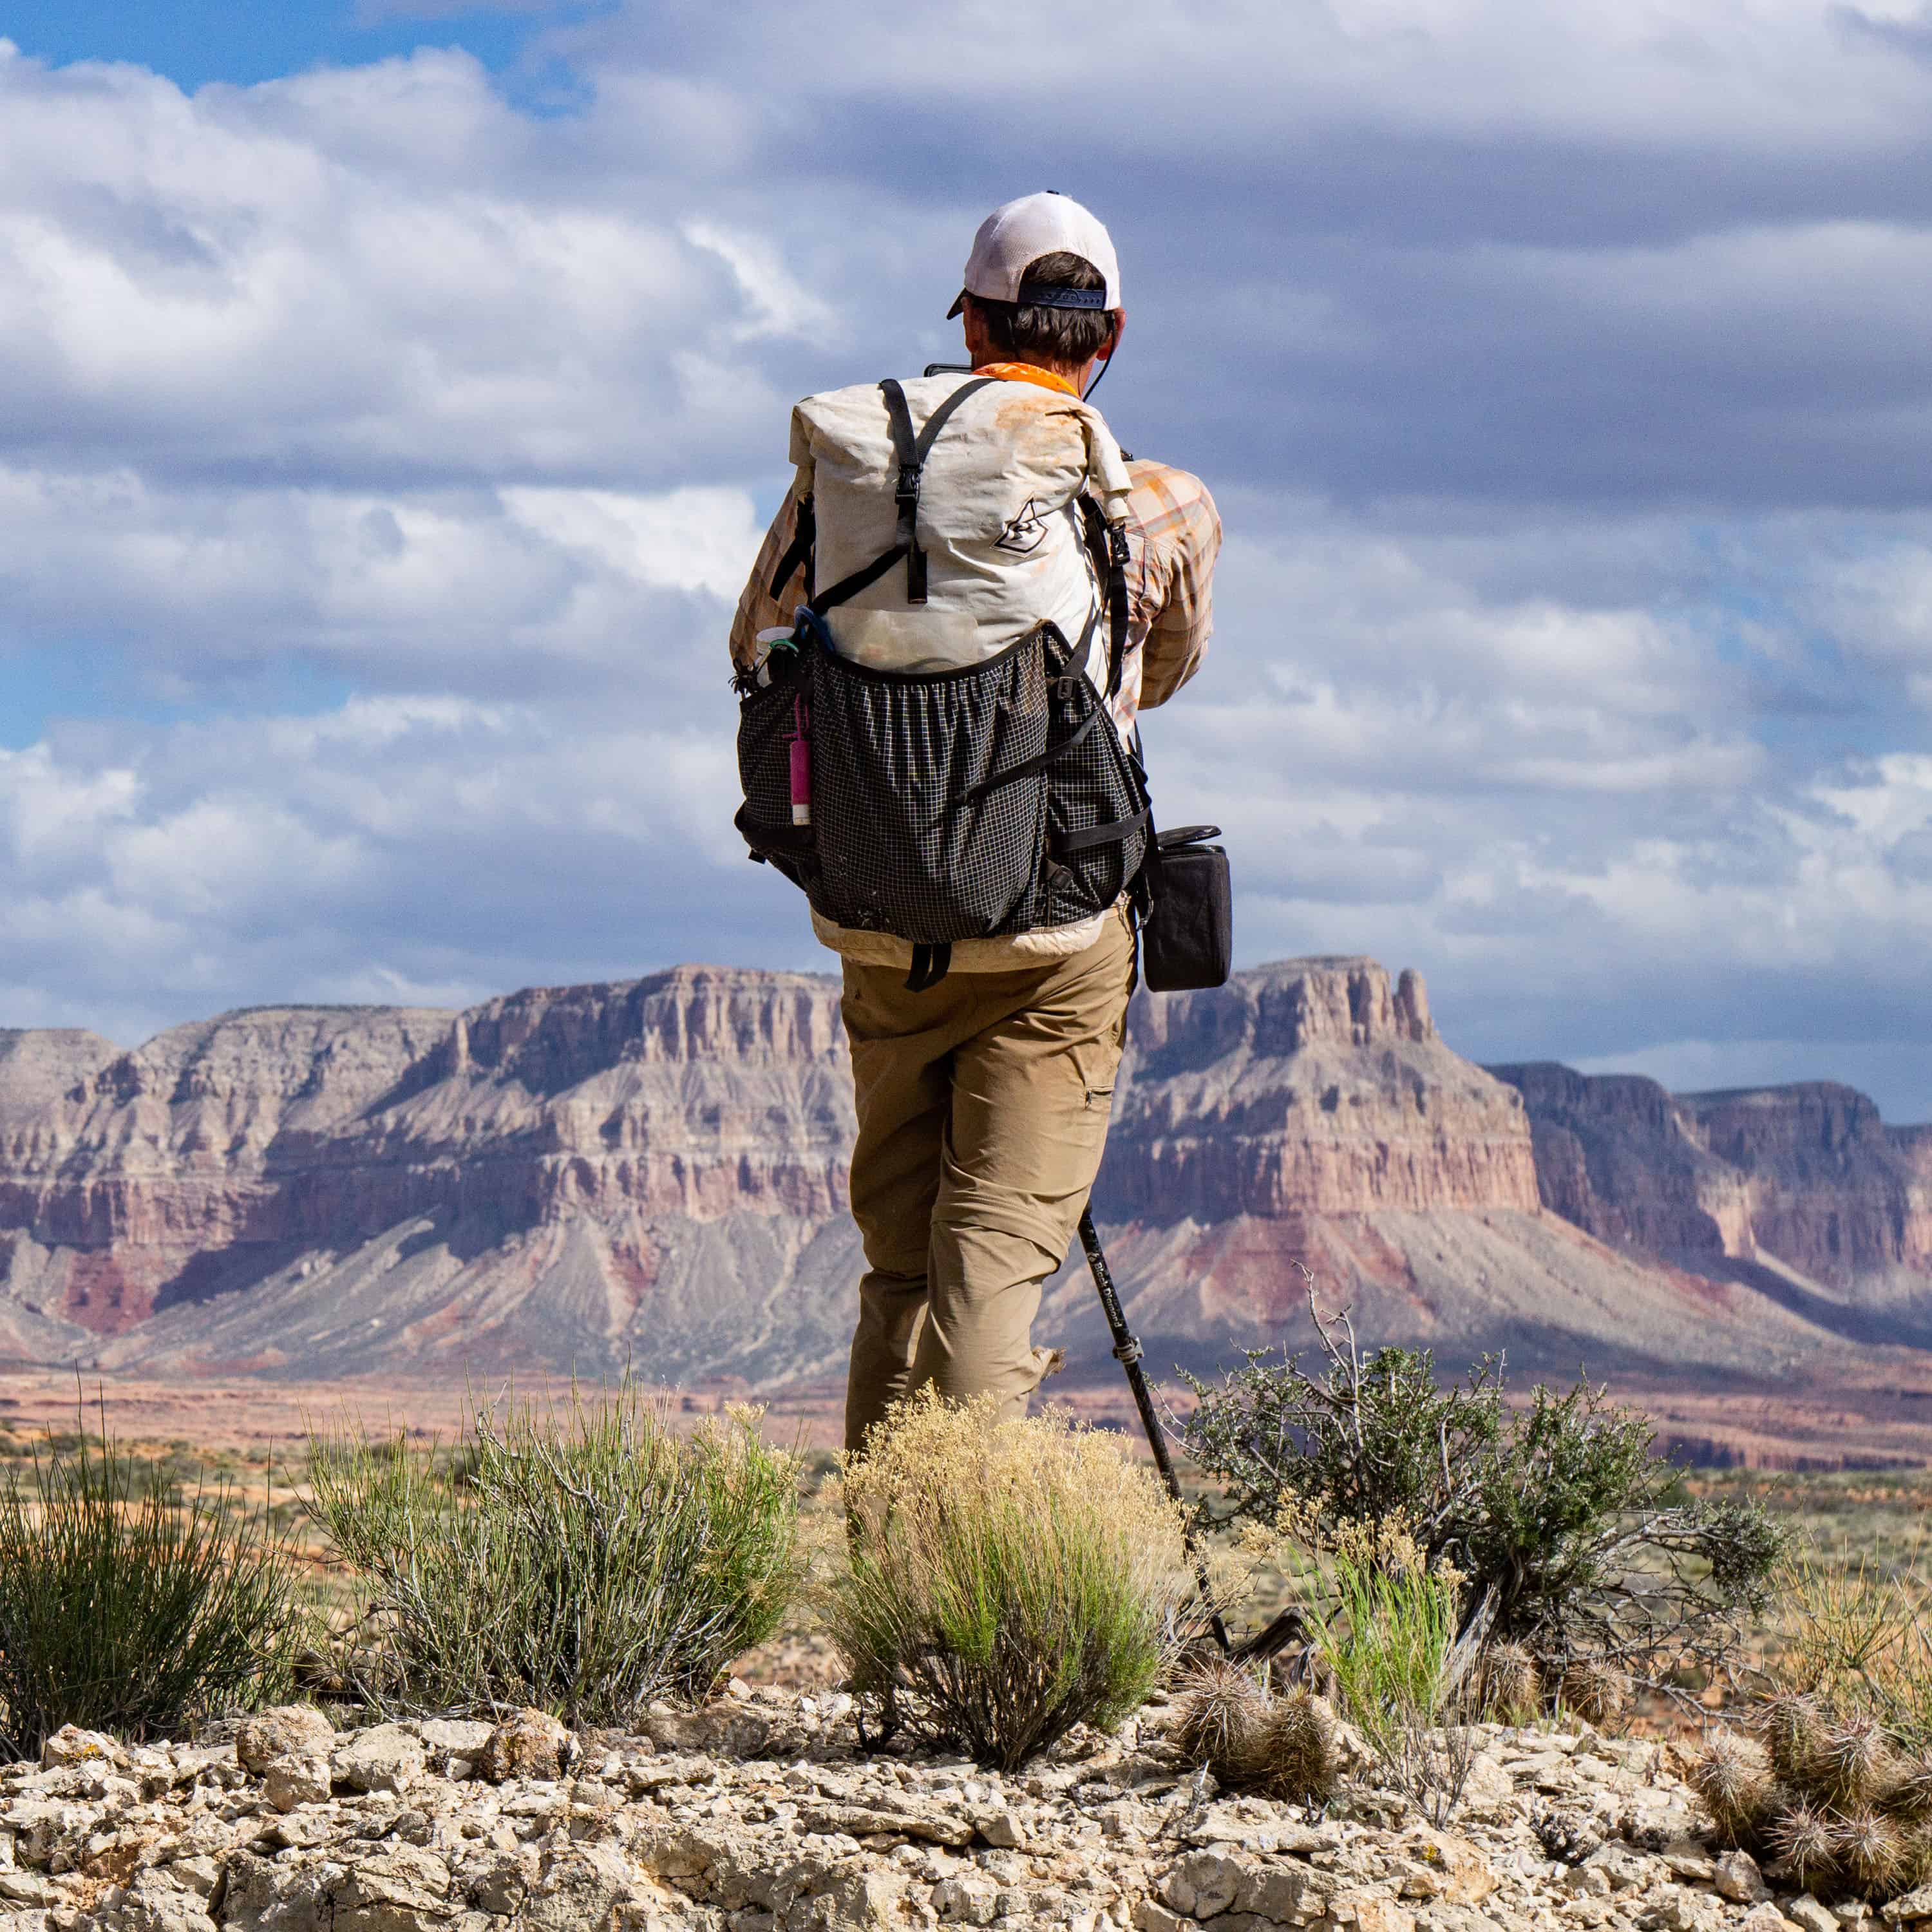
<point x="912" y="452"/>
<point x="800" y="551"/>
<point x="1108" y="541"/>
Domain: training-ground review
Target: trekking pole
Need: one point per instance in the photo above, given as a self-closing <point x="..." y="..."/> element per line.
<point x="1127" y="1353"/>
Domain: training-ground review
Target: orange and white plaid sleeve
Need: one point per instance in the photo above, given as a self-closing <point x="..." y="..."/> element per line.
<point x="758" y="609"/>
<point x="1179" y="538"/>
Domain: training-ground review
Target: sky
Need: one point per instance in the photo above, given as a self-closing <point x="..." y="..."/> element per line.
<point x="396" y="392"/>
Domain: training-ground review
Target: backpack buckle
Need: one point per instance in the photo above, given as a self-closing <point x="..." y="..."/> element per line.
<point x="907" y="494"/>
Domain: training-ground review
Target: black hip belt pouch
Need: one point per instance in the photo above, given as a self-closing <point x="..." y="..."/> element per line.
<point x="1187" y="932"/>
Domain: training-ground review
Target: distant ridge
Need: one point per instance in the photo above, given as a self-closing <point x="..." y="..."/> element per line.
<point x="653" y="1172"/>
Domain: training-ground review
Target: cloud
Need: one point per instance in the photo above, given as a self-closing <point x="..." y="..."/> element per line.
<point x="1558" y="373"/>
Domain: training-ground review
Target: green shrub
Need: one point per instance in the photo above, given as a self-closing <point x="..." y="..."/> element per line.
<point x="125" y="1607"/>
<point x="1005" y="1580"/>
<point x="584" y="1563"/>
<point x="1566" y="1531"/>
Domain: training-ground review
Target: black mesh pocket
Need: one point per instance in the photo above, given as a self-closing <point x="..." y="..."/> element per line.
<point x="765" y="731"/>
<point x="915" y="836"/>
<point x="1091" y="789"/>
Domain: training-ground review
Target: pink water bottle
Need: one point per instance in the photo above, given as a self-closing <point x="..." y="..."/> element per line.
<point x="801" y="762"/>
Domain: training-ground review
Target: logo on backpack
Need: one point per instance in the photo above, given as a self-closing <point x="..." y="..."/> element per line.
<point x="1027" y="532"/>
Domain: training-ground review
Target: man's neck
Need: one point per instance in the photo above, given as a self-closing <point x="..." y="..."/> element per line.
<point x="1027" y="368"/>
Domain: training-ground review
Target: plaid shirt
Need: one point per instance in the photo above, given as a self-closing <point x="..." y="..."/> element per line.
<point x="1174" y="536"/>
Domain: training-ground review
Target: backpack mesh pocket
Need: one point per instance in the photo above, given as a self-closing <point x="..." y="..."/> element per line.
<point x="1092" y="784"/>
<point x="765" y="732"/>
<point x="912" y="839"/>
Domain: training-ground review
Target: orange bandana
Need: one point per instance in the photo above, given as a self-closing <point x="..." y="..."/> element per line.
<point x="1027" y="372"/>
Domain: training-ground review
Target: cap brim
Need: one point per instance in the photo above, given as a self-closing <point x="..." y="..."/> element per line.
<point x="958" y="306"/>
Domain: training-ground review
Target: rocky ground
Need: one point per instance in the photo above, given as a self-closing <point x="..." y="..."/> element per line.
<point x="761" y="1813"/>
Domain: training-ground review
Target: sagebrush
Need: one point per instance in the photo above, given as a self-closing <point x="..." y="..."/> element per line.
<point x="584" y="1558"/>
<point x="126" y="1608"/>
<point x="1567" y="1533"/>
<point x="1005" y="1580"/>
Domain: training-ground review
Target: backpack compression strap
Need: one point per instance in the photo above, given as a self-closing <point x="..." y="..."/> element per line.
<point x="912" y="454"/>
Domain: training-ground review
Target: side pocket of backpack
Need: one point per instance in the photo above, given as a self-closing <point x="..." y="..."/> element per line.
<point x="765" y="731"/>
<point x="1094" y="787"/>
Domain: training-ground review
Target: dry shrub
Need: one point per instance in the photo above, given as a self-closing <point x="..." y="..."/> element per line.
<point x="1005" y="1580"/>
<point x="1862" y="1643"/>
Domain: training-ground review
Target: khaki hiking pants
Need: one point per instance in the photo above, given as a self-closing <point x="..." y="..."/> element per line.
<point x="982" y="1115"/>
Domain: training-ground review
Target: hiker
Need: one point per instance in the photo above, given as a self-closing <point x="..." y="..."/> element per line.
<point x="986" y="543"/>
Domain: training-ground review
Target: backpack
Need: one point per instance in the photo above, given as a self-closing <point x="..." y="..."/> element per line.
<point x="930" y="752"/>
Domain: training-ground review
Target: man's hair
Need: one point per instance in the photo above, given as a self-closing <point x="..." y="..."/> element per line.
<point x="1069" y="337"/>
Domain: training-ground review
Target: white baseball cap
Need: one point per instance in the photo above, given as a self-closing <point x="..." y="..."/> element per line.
<point x="1020" y="231"/>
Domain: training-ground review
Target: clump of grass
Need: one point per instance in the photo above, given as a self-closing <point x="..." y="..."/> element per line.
<point x="1387" y="1641"/>
<point x="127" y="1606"/>
<point x="583" y="1560"/>
<point x="1005" y="1580"/>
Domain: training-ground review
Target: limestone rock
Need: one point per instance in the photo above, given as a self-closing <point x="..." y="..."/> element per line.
<point x="71" y="1745"/>
<point x="153" y="1901"/>
<point x="387" y="1757"/>
<point x="1449" y="1868"/>
<point x="1737" y="1878"/>
<point x="279" y="1732"/>
<point x="531" y="1744"/>
<point x="454" y="1745"/>
<point x="395" y="1888"/>
<point x="298" y="1778"/>
<point x="1806" y="1913"/>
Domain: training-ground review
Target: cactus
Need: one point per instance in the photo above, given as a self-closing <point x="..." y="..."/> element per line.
<point x="1868" y="1848"/>
<point x="1853" y="1764"/>
<point x="1730" y="1778"/>
<point x="1292" y="1755"/>
<point x="1511" y="1687"/>
<point x="1910" y="1797"/>
<point x="1597" y="1690"/>
<point x="1219" y="1717"/>
<point x="1283" y="1746"/>
<point x="1842" y="1804"/>
<point x="1794" y="1733"/>
<point x="1804" y="1839"/>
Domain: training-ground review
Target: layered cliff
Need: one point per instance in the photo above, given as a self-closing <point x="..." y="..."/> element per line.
<point x="655" y="1172"/>
<point x="1804" y="1179"/>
